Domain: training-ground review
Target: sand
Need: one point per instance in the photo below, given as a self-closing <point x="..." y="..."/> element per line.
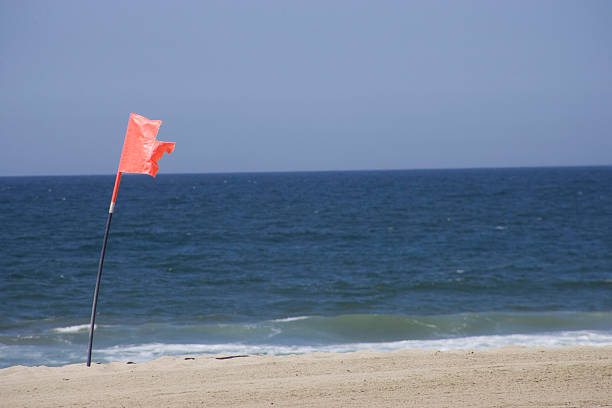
<point x="505" y="377"/>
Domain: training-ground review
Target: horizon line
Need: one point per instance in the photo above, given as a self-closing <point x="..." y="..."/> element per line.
<point x="324" y="171"/>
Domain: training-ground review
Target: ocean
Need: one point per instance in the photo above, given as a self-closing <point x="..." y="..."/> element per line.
<point x="279" y="263"/>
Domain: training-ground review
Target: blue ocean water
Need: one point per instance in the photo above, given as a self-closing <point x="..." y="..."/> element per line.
<point x="297" y="262"/>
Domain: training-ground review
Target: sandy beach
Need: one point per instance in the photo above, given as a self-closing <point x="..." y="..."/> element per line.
<point x="505" y="377"/>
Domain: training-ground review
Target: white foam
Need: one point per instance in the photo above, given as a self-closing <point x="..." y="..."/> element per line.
<point x="291" y="319"/>
<point x="145" y="352"/>
<point x="73" y="329"/>
<point x="274" y="332"/>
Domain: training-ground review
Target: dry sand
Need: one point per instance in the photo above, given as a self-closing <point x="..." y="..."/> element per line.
<point x="506" y="377"/>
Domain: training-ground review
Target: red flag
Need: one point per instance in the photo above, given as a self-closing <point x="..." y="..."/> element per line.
<point x="140" y="149"/>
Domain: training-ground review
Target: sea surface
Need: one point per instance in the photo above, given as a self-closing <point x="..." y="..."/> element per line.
<point x="277" y="263"/>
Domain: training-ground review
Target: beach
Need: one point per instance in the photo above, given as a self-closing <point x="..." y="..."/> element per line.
<point x="502" y="377"/>
<point x="295" y="263"/>
<point x="338" y="287"/>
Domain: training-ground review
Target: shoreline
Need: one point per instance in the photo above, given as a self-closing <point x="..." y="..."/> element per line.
<point x="508" y="376"/>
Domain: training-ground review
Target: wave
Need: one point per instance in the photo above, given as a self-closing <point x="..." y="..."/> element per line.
<point x="291" y="319"/>
<point x="67" y="343"/>
<point x="73" y="329"/>
<point x="342" y="329"/>
<point x="146" y="352"/>
<point x="365" y="328"/>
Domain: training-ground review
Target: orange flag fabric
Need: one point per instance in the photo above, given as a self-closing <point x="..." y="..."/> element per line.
<point x="140" y="149"/>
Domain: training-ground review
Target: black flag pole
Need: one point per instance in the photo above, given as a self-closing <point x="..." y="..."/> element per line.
<point x="100" y="265"/>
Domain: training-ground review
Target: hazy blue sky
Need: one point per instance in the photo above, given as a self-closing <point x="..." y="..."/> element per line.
<point x="306" y="85"/>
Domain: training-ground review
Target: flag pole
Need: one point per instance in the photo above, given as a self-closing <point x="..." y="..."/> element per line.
<point x="140" y="154"/>
<point x="96" y="291"/>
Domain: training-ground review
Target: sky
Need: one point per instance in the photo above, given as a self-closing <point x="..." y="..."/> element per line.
<point x="287" y="85"/>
